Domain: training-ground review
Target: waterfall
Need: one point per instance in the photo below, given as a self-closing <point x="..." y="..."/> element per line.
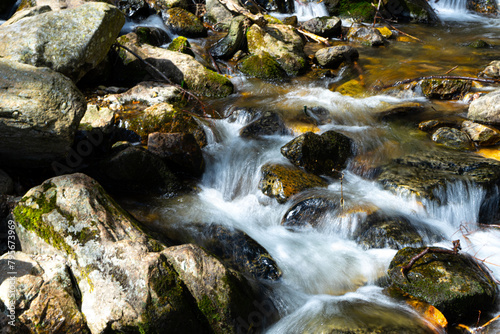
<point x="308" y="10"/>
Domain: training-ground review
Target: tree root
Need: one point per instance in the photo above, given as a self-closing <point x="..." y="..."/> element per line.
<point x="454" y="251"/>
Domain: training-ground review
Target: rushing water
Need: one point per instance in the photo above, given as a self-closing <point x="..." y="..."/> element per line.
<point x="326" y="275"/>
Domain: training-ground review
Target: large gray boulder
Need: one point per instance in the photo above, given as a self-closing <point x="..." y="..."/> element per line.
<point x="281" y="42"/>
<point x="324" y="26"/>
<point x="486" y="109"/>
<point x="71" y="41"/>
<point x="39" y="114"/>
<point x="332" y="57"/>
<point x="126" y="284"/>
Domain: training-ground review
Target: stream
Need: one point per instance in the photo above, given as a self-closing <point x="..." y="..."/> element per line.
<point x="327" y="276"/>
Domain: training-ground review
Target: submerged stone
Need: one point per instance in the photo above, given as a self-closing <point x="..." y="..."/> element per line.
<point x="270" y="123"/>
<point x="453" y="138"/>
<point x="455" y="284"/>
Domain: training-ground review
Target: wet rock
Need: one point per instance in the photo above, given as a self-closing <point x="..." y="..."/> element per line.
<point x="443" y="89"/>
<point x="409" y="11"/>
<point x="178" y="67"/>
<point x="457" y="285"/>
<point x="427" y="174"/>
<point x="133" y="8"/>
<point x="482" y="6"/>
<point x="217" y="13"/>
<point x="319" y="154"/>
<point x="486" y="108"/>
<point x="181" y="44"/>
<point x="291" y="21"/>
<point x="280" y="6"/>
<point x="270" y="123"/>
<point x="6" y="184"/>
<point x="39" y="114"/>
<point x="133" y="169"/>
<point x="179" y="151"/>
<point x="333" y="56"/>
<point x="480" y="134"/>
<point x="233" y="41"/>
<point x="152" y="35"/>
<point x="360" y="316"/>
<point x="352" y="88"/>
<point x="161" y="6"/>
<point x="309" y="212"/>
<point x="324" y="26"/>
<point x="222" y="295"/>
<point x="399" y="110"/>
<point x="71" y="41"/>
<point x="125" y="282"/>
<point x="492" y="70"/>
<point x="282" y="182"/>
<point x="453" y="138"/>
<point x="281" y="42"/>
<point x="365" y="35"/>
<point x="262" y="66"/>
<point x="381" y="230"/>
<point x="434" y="124"/>
<point x="234" y="247"/>
<point x="184" y="23"/>
<point x="163" y="117"/>
<point x="148" y="92"/>
<point x="478" y="44"/>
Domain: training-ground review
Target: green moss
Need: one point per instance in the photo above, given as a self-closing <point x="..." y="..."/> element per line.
<point x="208" y="309"/>
<point x="213" y="85"/>
<point x="360" y="10"/>
<point x="272" y="20"/>
<point x="181" y="44"/>
<point x="262" y="66"/>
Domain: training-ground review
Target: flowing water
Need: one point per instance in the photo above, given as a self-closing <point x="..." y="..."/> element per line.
<point x="327" y="277"/>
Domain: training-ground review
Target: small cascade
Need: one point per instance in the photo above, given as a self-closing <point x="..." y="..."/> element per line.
<point x="306" y="10"/>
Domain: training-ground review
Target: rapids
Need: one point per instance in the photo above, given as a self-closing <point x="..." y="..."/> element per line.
<point x="325" y="274"/>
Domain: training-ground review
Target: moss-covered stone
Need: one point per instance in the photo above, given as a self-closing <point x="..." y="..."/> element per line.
<point x="453" y="138"/>
<point x="181" y="44"/>
<point x="455" y="284"/>
<point x="359" y="10"/>
<point x="185" y="23"/>
<point x="262" y="66"/>
<point x="282" y="182"/>
<point x="444" y="89"/>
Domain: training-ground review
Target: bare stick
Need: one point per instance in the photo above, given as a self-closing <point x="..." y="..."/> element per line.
<point x="454" y="251"/>
<point x="317" y="38"/>
<point x="451" y="70"/>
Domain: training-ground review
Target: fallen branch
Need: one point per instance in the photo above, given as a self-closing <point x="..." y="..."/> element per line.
<point x="401" y="32"/>
<point x="451" y="70"/>
<point x="315" y="37"/>
<point x="479" y="329"/>
<point x="454" y="251"/>
<point x="166" y="79"/>
<point x="234" y="6"/>
<point x="450" y="77"/>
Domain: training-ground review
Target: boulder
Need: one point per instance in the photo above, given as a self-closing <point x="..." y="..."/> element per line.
<point x="333" y="56"/>
<point x="483" y="6"/>
<point x="482" y="135"/>
<point x="455" y="284"/>
<point x="443" y="89"/>
<point x="365" y="35"/>
<point x="46" y="300"/>
<point x="178" y="67"/>
<point x="133" y="169"/>
<point x="434" y="124"/>
<point x="27" y="13"/>
<point x="217" y="13"/>
<point x="281" y="42"/>
<point x="71" y="41"/>
<point x="161" y="6"/>
<point x="225" y="298"/>
<point x="6" y="184"/>
<point x="326" y="26"/>
<point x="126" y="284"/>
<point x="282" y="181"/>
<point x="453" y="138"/>
<point x="262" y="66"/>
<point x="233" y="41"/>
<point x="98" y="118"/>
<point x="152" y="35"/>
<point x="325" y="154"/>
<point x="310" y="211"/>
<point x="147" y="92"/>
<point x="486" y="109"/>
<point x="181" y="44"/>
<point x="179" y="151"/>
<point x="269" y="123"/>
<point x="492" y="70"/>
<point x="184" y="23"/>
<point x="39" y="114"/>
<point x="163" y="117"/>
<point x="409" y="11"/>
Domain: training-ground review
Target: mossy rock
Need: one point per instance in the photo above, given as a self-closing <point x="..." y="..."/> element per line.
<point x="455" y="284"/>
<point x="181" y="44"/>
<point x="409" y="11"/>
<point x="165" y="118"/>
<point x="351" y="88"/>
<point x="262" y="66"/>
<point x="152" y="35"/>
<point x="478" y="44"/>
<point x="269" y="123"/>
<point x="325" y="26"/>
<point x="185" y="23"/>
<point x="483" y="6"/>
<point x="233" y="41"/>
<point x="282" y="182"/>
<point x="319" y="154"/>
<point x="453" y="138"/>
<point x="444" y="89"/>
<point x="358" y="10"/>
<point x="365" y="35"/>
